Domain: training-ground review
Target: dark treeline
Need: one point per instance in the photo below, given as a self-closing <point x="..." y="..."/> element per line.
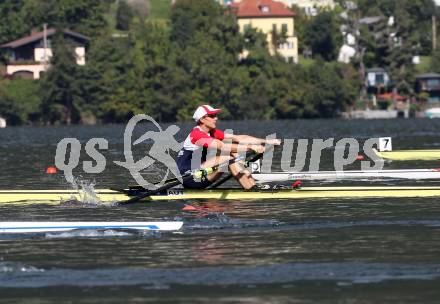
<point x="166" y="69"/>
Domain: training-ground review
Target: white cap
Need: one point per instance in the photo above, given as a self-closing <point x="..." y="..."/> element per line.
<point x="204" y="110"/>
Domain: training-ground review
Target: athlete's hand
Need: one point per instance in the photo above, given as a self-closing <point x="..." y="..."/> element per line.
<point x="273" y="141"/>
<point x="257" y="148"/>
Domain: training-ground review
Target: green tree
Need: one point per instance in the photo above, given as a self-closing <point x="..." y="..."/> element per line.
<point x="415" y="13"/>
<point x="83" y="16"/>
<point x="326" y="89"/>
<point x="124" y="15"/>
<point x="10" y="110"/>
<point x="60" y="92"/>
<point x="323" y="35"/>
<point x="207" y="58"/>
<point x="20" y="101"/>
<point x="435" y="61"/>
<point x="301" y="20"/>
<point x="190" y="16"/>
<point x="11" y="24"/>
<point x="127" y="76"/>
<point x="404" y="47"/>
<point x="278" y="37"/>
<point x="103" y="76"/>
<point x="401" y="32"/>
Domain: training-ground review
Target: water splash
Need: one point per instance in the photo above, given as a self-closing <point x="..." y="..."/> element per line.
<point x="12" y="267"/>
<point x="222" y="221"/>
<point x="86" y="194"/>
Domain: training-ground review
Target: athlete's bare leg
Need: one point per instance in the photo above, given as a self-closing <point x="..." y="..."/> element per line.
<point x="241" y="174"/>
<point x="237" y="169"/>
<point x="214" y="162"/>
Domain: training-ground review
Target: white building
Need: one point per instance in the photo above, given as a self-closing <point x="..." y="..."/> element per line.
<point x="346" y="53"/>
<point x="30" y="55"/>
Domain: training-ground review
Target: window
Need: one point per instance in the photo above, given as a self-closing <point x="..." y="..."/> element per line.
<point x="380" y="79"/>
<point x="432" y="83"/>
<point x="284" y="27"/>
<point x="264" y="8"/>
<point x="246" y="27"/>
<point x="290" y="59"/>
<point x="433" y="99"/>
<point x="274" y="28"/>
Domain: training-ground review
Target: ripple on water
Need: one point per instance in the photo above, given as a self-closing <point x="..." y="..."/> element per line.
<point x="21" y="276"/>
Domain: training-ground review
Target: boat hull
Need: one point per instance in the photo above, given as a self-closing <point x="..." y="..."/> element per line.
<point x="40" y="227"/>
<point x="106" y="195"/>
<point x="403" y="155"/>
<point x="349" y="175"/>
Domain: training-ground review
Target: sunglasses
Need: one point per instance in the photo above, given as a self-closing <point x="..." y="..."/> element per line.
<point x="211" y="115"/>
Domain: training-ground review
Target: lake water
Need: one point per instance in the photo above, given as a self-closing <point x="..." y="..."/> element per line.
<point x="268" y="251"/>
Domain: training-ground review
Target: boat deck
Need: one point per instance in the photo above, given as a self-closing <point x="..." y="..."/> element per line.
<point x="108" y="195"/>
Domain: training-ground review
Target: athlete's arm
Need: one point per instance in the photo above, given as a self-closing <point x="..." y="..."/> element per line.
<point x="235" y="147"/>
<point x="226" y="143"/>
<point x="247" y="139"/>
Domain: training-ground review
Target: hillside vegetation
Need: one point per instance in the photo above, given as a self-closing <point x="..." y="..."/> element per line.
<point x="167" y="60"/>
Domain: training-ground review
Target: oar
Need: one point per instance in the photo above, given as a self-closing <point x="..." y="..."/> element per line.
<point x="187" y="176"/>
<point x="145" y="194"/>
<point x="142" y="189"/>
<point x="228" y="176"/>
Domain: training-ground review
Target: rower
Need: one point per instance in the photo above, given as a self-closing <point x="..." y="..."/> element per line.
<point x="206" y="136"/>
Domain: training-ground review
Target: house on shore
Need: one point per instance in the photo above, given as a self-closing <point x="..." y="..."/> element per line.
<point x="30" y="55"/>
<point x="272" y="18"/>
<point x="429" y="83"/>
<point x="377" y="80"/>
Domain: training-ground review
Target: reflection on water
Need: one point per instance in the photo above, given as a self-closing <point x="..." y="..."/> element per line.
<point x="256" y="251"/>
<point x="20" y="276"/>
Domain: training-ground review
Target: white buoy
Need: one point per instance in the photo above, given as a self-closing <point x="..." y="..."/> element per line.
<point x="2" y="122"/>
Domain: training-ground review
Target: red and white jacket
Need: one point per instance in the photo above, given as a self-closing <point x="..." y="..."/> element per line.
<point x="197" y="139"/>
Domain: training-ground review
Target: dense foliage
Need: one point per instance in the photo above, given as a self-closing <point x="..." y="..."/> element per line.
<point x="165" y="69"/>
<point x="404" y="30"/>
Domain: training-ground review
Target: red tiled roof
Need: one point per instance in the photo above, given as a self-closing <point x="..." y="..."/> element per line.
<point x="255" y="9"/>
<point x="39" y="35"/>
